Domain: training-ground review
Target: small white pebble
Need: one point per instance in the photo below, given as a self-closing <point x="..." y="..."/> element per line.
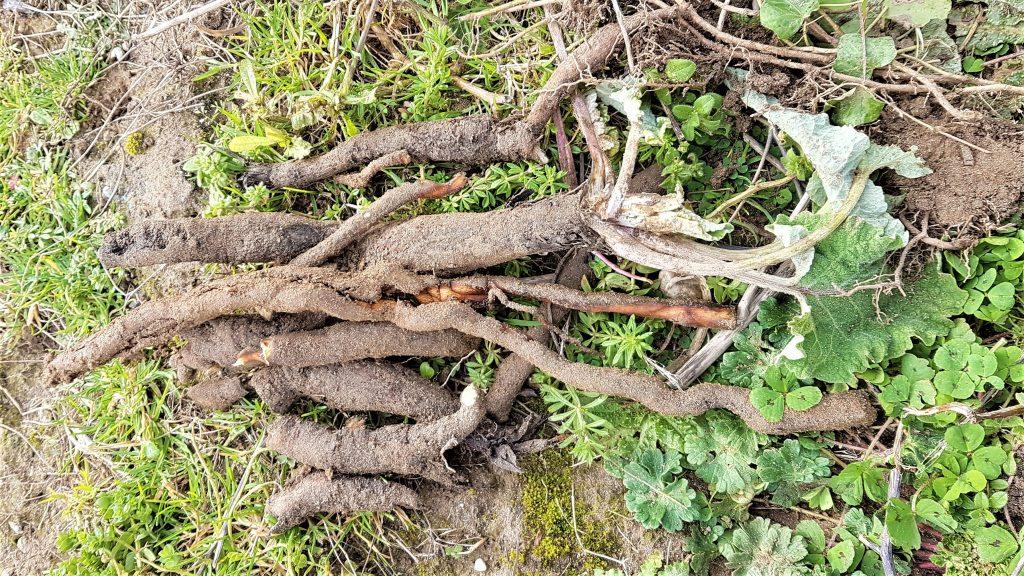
<point x="480" y="565"/>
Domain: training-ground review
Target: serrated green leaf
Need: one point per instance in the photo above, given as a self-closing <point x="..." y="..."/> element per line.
<point x="857" y="55"/>
<point x="680" y="69"/>
<point x="723" y="450"/>
<point x="762" y="548"/>
<point x="654" y="495"/>
<point x="791" y="469"/>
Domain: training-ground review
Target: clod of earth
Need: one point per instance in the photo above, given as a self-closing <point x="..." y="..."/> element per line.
<point x="320" y="493"/>
<point x="405" y="449"/>
<point x="356" y="387"/>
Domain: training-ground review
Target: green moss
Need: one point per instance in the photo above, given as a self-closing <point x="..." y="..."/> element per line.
<point x="549" y="533"/>
<point x="135" y="144"/>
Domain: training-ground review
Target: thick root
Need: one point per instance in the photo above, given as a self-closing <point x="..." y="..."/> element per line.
<point x="349" y="341"/>
<point x="473" y="140"/>
<point x="251" y="237"/>
<point x="320" y="493"/>
<point x="443" y="243"/>
<point x="219" y="393"/>
<point x="216" y="344"/>
<point x="412" y="450"/>
<point x="835" y="412"/>
<point x="356" y="387"/>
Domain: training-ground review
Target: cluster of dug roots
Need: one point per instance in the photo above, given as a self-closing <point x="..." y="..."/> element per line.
<point x="340" y="298"/>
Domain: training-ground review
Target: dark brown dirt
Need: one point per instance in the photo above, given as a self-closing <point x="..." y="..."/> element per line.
<point x="349" y="341"/>
<point x="318" y="493"/>
<point x="969" y="191"/>
<point x="411" y="450"/>
<point x="356" y="387"/>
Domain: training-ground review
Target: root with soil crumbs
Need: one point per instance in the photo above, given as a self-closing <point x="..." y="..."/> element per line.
<point x="342" y="296"/>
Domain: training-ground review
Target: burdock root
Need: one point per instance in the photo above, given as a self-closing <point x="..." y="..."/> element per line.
<point x="406" y="449"/>
<point x="358" y="387"/>
<point x="347" y="341"/>
<point x="216" y="344"/>
<point x="319" y="493"/>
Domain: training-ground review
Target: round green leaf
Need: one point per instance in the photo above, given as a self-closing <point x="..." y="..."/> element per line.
<point x="803" y="398"/>
<point x="857" y="55"/>
<point x="840" y="556"/>
<point x="965" y="437"/>
<point x="989" y="461"/>
<point x="995" y="544"/>
<point x="680" y="69"/>
<point x="769" y="403"/>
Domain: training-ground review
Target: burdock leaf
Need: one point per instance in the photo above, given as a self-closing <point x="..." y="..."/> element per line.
<point x="786" y="17"/>
<point x="858" y="55"/>
<point x="917" y="13"/>
<point x="857" y="108"/>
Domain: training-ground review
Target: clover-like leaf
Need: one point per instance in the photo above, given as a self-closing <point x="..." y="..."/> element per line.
<point x="770" y="403"/>
<point x="803" y="398"/>
<point x="965" y="437"/>
<point x="902" y="524"/>
<point x="841" y="556"/>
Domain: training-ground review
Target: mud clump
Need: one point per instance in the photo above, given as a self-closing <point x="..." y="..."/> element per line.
<point x="968" y="190"/>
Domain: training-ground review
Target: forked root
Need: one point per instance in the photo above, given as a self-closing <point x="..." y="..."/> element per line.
<point x="406" y="449"/>
<point x="356" y="387"/>
<point x="320" y="493"/>
<point x="347" y="341"/>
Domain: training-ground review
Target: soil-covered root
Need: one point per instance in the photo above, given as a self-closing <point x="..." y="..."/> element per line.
<point x="835" y="412"/>
<point x="216" y="344"/>
<point x="356" y="387"/>
<point x="347" y="341"/>
<point x="217" y="393"/>
<point x="281" y="289"/>
<point x="357" y="226"/>
<point x="463" y="242"/>
<point x="684" y="312"/>
<point x="250" y="237"/>
<point x="321" y="493"/>
<point x="406" y="449"/>
<point x="472" y="140"/>
<point x="514" y="369"/>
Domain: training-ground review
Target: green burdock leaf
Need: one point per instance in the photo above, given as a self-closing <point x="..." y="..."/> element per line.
<point x="858" y="55"/>
<point x="786" y="17"/>
<point x="995" y="544"/>
<point x="857" y="108"/>
<point x="917" y="13"/>
<point x="902" y="525"/>
<point x="762" y="548"/>
<point x="845" y="335"/>
<point x="655" y="496"/>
